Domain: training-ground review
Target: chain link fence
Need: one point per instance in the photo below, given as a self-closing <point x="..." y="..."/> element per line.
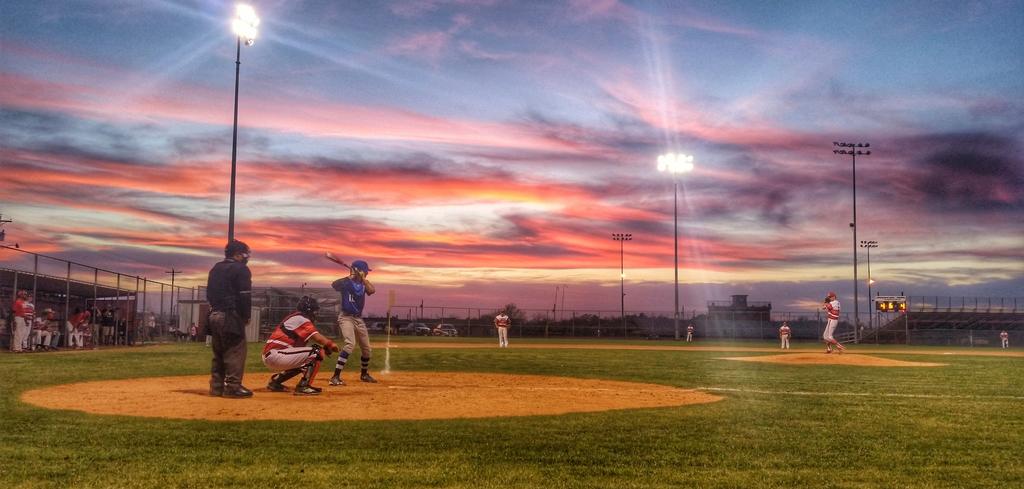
<point x="123" y="309"/>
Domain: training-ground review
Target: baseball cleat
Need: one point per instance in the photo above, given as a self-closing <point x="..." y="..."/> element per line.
<point x="367" y="378"/>
<point x="336" y="381"/>
<point x="304" y="389"/>
<point x="276" y="387"/>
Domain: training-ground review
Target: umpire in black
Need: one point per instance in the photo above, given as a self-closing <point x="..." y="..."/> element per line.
<point x="229" y="292"/>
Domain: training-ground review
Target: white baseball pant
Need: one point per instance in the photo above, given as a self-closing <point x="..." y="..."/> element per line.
<point x="288" y="358"/>
<point x="20" y="338"/>
<point x="829" y="329"/>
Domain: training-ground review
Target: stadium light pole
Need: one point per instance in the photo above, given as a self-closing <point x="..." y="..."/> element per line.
<point x="675" y="164"/>
<point x="854" y="149"/>
<point x="244" y="25"/>
<point x="622" y="238"/>
<point x="871" y="310"/>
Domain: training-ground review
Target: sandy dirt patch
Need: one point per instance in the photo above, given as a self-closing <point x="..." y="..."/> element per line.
<point x="399" y="395"/>
<point x="833" y="359"/>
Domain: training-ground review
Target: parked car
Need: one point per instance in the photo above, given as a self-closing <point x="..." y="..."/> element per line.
<point x="418" y="329"/>
<point x="445" y="329"/>
<point x="376" y="327"/>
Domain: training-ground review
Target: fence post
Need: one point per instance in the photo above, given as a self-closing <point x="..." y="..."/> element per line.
<point x="35" y="278"/>
<point x="117" y="302"/>
<point x="67" y="306"/>
<point x="94" y="330"/>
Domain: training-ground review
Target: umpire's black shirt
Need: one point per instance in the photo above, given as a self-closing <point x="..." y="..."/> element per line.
<point x="229" y="288"/>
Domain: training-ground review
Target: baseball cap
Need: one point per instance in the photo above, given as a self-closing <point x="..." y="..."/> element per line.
<point x="362" y="266"/>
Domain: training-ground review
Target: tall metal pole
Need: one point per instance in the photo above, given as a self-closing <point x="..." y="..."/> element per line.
<point x="675" y="164"/>
<point x="675" y="220"/>
<point x="855" y="149"/>
<point x="622" y="238"/>
<point x="234" y="145"/>
<point x="622" y="287"/>
<point x="856" y="282"/>
<point x="870" y="309"/>
<point x="868" y="245"/>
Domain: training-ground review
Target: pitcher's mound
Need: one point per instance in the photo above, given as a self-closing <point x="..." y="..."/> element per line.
<point x="834" y="359"/>
<point x="399" y="395"/>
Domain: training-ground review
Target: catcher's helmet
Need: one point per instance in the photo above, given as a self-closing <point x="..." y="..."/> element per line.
<point x="307" y="306"/>
<point x="234" y="247"/>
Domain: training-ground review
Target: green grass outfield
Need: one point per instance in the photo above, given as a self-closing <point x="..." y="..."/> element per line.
<point x="961" y="425"/>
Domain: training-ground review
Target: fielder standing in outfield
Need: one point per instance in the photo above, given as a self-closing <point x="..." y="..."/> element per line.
<point x="689" y="333"/>
<point x="784" y="335"/>
<point x="832" y="307"/>
<point x="354" y="290"/>
<point x="229" y="292"/>
<point x="287" y="354"/>
<point x="1005" y="337"/>
<point x="24" y="314"/>
<point x="502" y="322"/>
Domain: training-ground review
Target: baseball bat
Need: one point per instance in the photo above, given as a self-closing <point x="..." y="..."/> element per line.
<point x="330" y="256"/>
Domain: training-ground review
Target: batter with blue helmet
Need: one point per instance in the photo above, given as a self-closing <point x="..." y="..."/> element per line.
<point x="353" y="290"/>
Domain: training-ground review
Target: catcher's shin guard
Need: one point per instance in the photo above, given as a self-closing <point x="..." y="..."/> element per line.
<point x="313" y="366"/>
<point x="286" y="375"/>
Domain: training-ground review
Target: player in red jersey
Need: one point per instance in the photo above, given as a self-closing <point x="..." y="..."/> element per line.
<point x="784" y="333"/>
<point x="287" y="354"/>
<point x="832" y="308"/>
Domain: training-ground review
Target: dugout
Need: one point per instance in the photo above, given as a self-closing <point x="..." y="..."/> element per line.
<point x="60" y="294"/>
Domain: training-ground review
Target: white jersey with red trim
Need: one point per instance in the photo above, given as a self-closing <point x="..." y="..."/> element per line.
<point x="1004" y="335"/>
<point x="833" y="309"/>
<point x="501" y="321"/>
<point x="299" y="331"/>
<point x="25" y="309"/>
<point x="784" y="331"/>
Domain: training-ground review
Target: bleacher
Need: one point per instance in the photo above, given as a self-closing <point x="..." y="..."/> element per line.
<point x="946" y="327"/>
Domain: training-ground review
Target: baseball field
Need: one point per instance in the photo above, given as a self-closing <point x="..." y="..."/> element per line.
<point x="464" y="413"/>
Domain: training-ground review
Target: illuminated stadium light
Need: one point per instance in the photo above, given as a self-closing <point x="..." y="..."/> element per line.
<point x="868" y="245"/>
<point x="854" y="152"/>
<point x="622" y="238"/>
<point x="675" y="164"/>
<point x="245" y="23"/>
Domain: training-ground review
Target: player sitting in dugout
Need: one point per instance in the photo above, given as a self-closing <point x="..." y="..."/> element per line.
<point x="287" y="354"/>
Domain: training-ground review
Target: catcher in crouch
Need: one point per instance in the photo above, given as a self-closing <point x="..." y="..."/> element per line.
<point x="286" y="351"/>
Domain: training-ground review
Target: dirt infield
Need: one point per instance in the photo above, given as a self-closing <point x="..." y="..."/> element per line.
<point x="833" y="359"/>
<point x="399" y="395"/>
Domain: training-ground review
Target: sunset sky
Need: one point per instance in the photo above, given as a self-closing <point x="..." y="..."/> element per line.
<point x="480" y="152"/>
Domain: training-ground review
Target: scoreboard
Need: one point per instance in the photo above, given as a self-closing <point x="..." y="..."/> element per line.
<point x="891" y="303"/>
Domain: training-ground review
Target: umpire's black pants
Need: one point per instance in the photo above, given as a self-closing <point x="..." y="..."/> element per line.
<point x="228" y="334"/>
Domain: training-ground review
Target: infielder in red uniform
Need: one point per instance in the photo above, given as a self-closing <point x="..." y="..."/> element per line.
<point x="287" y="354"/>
<point x="24" y="314"/>
<point x="832" y="307"/>
<point x="502" y="322"/>
<point x="784" y="335"/>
